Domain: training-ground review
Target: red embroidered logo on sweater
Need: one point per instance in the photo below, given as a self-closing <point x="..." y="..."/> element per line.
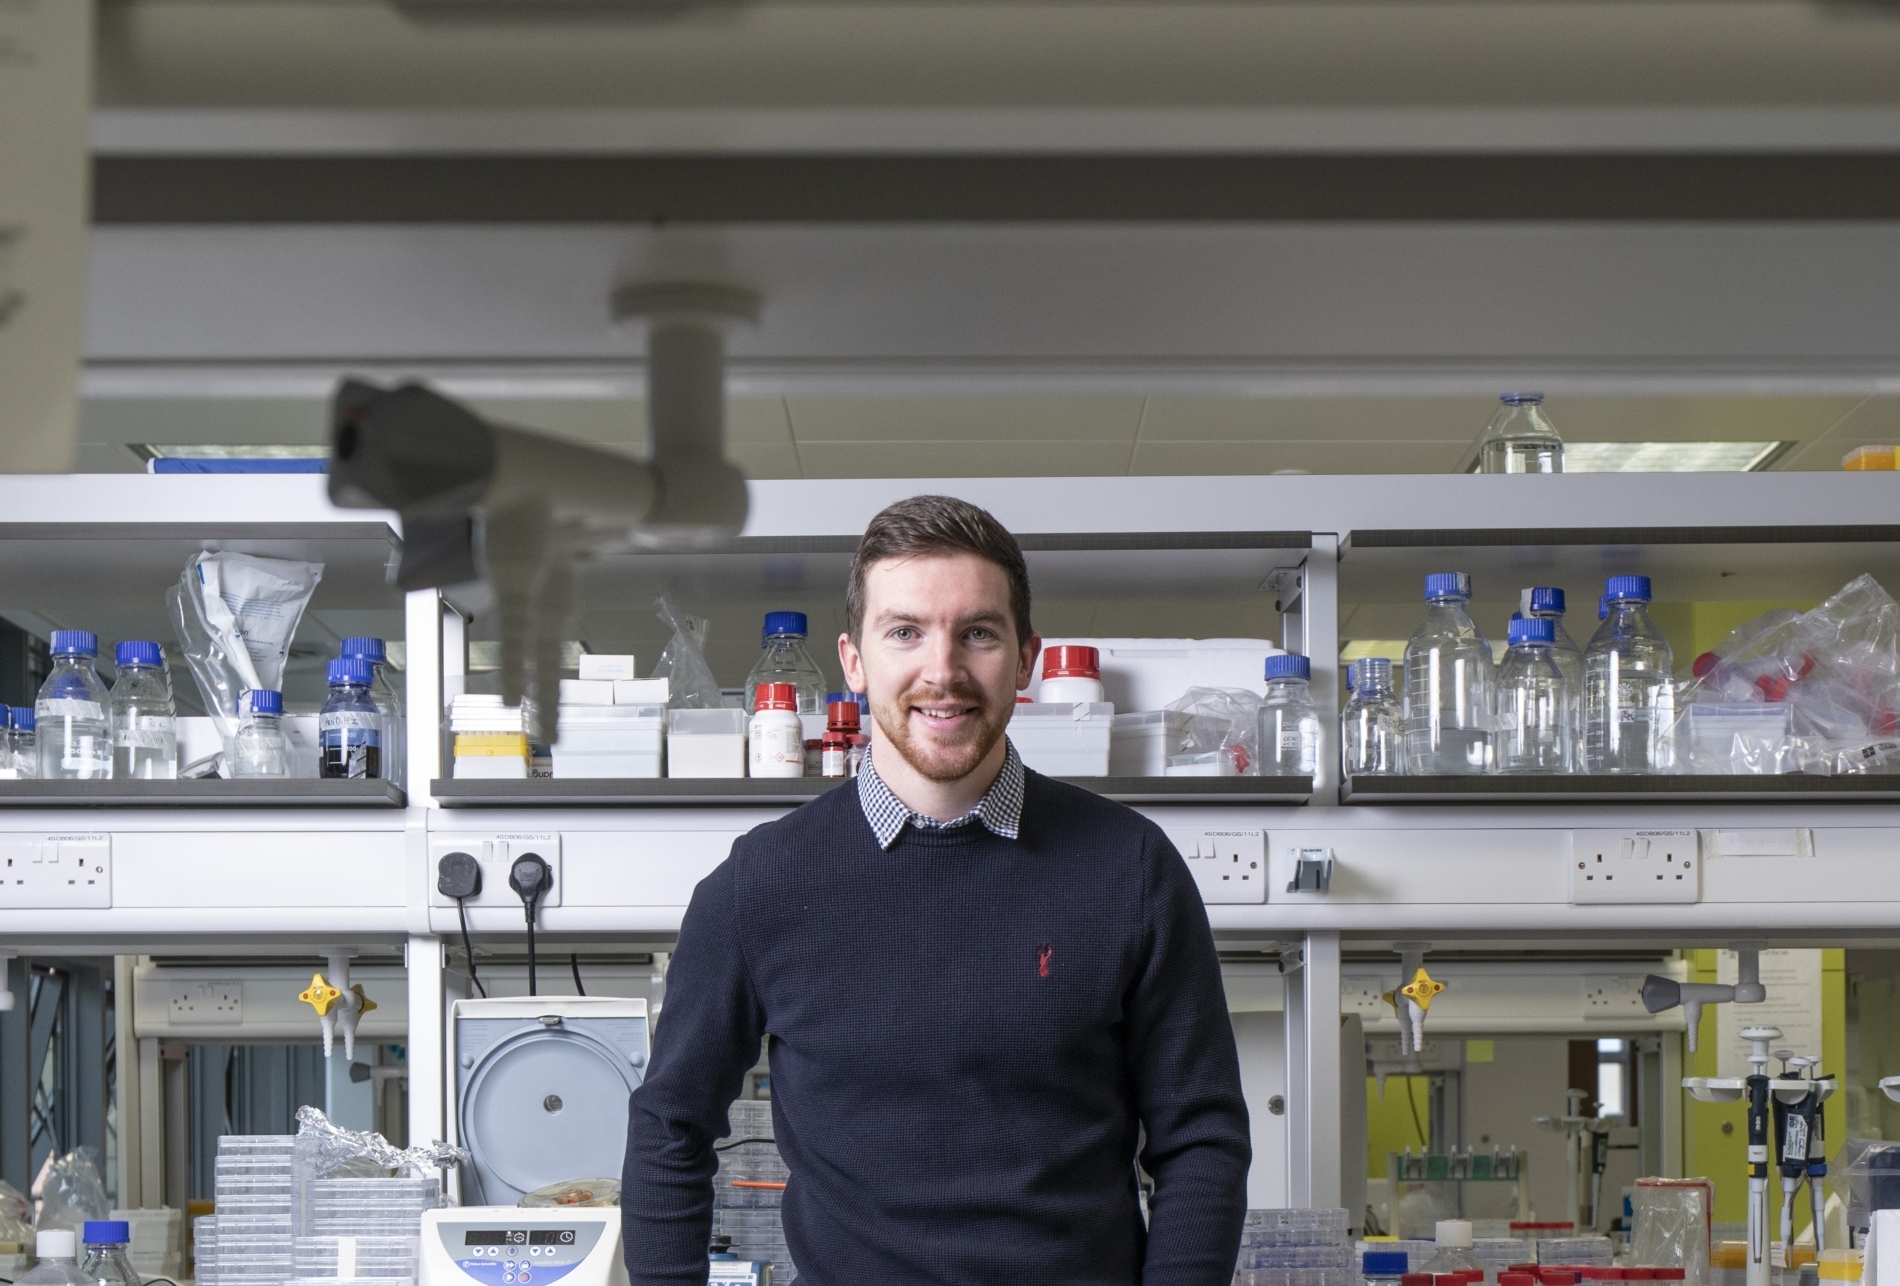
<point x="1042" y="960"/>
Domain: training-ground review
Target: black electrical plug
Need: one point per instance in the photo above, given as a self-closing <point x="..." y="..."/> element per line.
<point x="531" y="878"/>
<point x="459" y="876"/>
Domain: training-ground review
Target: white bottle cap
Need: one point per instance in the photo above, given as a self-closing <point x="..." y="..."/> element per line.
<point x="55" y="1243"/>
<point x="1453" y="1232"/>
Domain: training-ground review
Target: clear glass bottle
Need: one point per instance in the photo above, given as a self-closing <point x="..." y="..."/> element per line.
<point x="1547" y="603"/>
<point x="108" y="1242"/>
<point x="1448" y="681"/>
<point x="57" y="1252"/>
<point x="75" y="727"/>
<point x="23" y="743"/>
<point x="1629" y="696"/>
<point x="1372" y="726"/>
<point x="1520" y="438"/>
<point x="1289" y="721"/>
<point x="144" y="718"/>
<point x="785" y="660"/>
<point x="1536" y="726"/>
<point x="349" y="729"/>
<point x="1453" y="1255"/>
<point x="260" y="748"/>
<point x="388" y="700"/>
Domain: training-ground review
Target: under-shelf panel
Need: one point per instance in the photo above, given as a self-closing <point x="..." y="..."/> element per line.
<point x="1583" y="789"/>
<point x="209" y="792"/>
<point x="668" y="792"/>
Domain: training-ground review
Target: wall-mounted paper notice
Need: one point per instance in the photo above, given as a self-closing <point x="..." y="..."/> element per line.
<point x="45" y="168"/>
<point x="1792" y="979"/>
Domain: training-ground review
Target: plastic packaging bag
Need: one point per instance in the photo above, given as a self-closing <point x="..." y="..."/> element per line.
<point x="683" y="663"/>
<point x="1224" y="721"/>
<point x="1671" y="1226"/>
<point x="575" y="1192"/>
<point x="1867" y="1173"/>
<point x="70" y="1192"/>
<point x="1835" y="671"/>
<point x="16" y="1215"/>
<point x="235" y="616"/>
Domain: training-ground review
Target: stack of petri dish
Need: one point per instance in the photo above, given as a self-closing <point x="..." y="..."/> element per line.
<point x="1576" y="1252"/>
<point x="1295" y="1248"/>
<point x="371" y="1207"/>
<point x="748" y="1191"/>
<point x="253" y="1203"/>
<point x="204" y="1250"/>
<point x="369" y="1260"/>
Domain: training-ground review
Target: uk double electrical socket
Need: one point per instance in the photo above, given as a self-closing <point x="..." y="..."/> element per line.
<point x="1365" y="996"/>
<point x="1228" y="866"/>
<point x="55" y="872"/>
<point x="1613" y="997"/>
<point x="207" y="1002"/>
<point x="1631" y="867"/>
<point x="495" y="855"/>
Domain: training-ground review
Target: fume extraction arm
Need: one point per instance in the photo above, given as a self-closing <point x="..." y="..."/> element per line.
<point x="519" y="508"/>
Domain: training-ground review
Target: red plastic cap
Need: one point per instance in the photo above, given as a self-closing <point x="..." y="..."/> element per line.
<point x="1516" y="1278"/>
<point x="1415" y="1279"/>
<point x="1559" y="1277"/>
<point x="1072" y="662"/>
<point x="1668" y="1274"/>
<point x="842" y="715"/>
<point x="777" y="696"/>
<point x="1602" y="1274"/>
<point x="1450" y="1279"/>
<point x="1025" y="701"/>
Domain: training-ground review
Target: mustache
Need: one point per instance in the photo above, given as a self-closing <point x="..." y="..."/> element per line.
<point x="931" y="695"/>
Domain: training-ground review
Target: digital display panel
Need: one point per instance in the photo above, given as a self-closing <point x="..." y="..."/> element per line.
<point x="551" y="1237"/>
<point x="497" y="1237"/>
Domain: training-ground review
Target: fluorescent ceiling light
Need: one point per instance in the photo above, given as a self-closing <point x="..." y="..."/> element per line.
<point x="222" y="451"/>
<point x="1670" y="457"/>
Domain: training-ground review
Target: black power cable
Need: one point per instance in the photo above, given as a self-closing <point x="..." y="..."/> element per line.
<point x="574" y="963"/>
<point x="459" y="876"/>
<point x="531" y="878"/>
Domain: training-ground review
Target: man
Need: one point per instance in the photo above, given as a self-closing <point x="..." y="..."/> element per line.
<point x="982" y="987"/>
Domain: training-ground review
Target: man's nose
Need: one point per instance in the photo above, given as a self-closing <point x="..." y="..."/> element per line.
<point x="942" y="660"/>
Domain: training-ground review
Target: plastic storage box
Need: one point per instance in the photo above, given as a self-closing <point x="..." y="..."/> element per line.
<point x="705" y="743"/>
<point x="611" y="741"/>
<point x="1139" y="743"/>
<point x="1148" y="674"/>
<point x="1064" y="740"/>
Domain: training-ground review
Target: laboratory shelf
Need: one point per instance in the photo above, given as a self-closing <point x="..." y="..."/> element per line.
<point x="210" y="792"/>
<point x="665" y="792"/>
<point x="1581" y="789"/>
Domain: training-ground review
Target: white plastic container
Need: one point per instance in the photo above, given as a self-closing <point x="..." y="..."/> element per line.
<point x="587" y="692"/>
<point x="1211" y="764"/>
<point x="1064" y="740"/>
<point x="705" y="743"/>
<point x="605" y="668"/>
<point x="1147" y="674"/>
<point x="611" y="741"/>
<point x="642" y="692"/>
<point x="1140" y="742"/>
<point x="775" y="740"/>
<point x="1071" y="674"/>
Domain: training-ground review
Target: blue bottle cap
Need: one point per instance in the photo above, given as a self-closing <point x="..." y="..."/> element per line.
<point x="24" y="718"/>
<point x="108" y="1232"/>
<point x="1385" y="1263"/>
<point x="265" y="701"/>
<point x="6" y="716"/>
<point x="1376" y="670"/>
<point x="137" y="652"/>
<point x="371" y="650"/>
<point x="349" y="669"/>
<point x="1448" y="585"/>
<point x="1521" y="399"/>
<point x="785" y="623"/>
<point x="1546" y="599"/>
<point x="1288" y="666"/>
<point x="1623" y="588"/>
<point x="1531" y="629"/>
<point x="75" y="643"/>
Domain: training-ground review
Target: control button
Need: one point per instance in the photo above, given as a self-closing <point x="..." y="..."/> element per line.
<point x="507" y="1277"/>
<point x="511" y="1265"/>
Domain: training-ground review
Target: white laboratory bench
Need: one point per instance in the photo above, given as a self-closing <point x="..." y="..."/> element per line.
<point x="1491" y="863"/>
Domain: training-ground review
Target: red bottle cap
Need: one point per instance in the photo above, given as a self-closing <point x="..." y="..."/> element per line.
<point x="1639" y="1274"/>
<point x="1449" y="1279"/>
<point x="1591" y="1273"/>
<point x="1072" y="662"/>
<point x="843" y="715"/>
<point x="1558" y="1277"/>
<point x="1668" y="1274"/>
<point x="777" y="696"/>
<point x="1516" y="1277"/>
<point x="1415" y="1279"/>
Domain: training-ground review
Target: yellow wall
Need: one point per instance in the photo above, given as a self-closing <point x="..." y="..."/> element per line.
<point x="1723" y="1158"/>
<point x="1389" y="1122"/>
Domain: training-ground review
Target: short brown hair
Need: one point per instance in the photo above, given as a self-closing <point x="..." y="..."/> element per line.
<point x="938" y="525"/>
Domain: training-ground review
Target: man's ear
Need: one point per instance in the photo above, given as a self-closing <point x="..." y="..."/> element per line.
<point x="1026" y="669"/>
<point x="852" y="662"/>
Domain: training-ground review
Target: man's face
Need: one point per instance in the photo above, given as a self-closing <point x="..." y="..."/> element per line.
<point x="939" y="659"/>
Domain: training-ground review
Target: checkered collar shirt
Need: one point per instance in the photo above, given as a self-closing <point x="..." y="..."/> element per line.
<point x="1000" y="810"/>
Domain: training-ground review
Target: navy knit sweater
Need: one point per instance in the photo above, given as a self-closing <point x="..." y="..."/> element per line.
<point x="967" y="1034"/>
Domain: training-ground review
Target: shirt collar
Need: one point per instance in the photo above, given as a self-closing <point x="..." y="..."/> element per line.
<point x="1000" y="810"/>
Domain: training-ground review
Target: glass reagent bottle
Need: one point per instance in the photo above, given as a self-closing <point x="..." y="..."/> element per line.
<point x="1536" y="704"/>
<point x="785" y="660"/>
<point x="1448" y="680"/>
<point x="1546" y="603"/>
<point x="384" y="695"/>
<point x="1289" y="721"/>
<point x="349" y="729"/>
<point x="59" y="1263"/>
<point x="144" y="718"/>
<point x="1520" y="438"/>
<point x="1372" y="726"/>
<point x="75" y="729"/>
<point x="1454" y="1250"/>
<point x="260" y="748"/>
<point x="1629" y="711"/>
<point x="23" y="744"/>
<point x="107" y="1254"/>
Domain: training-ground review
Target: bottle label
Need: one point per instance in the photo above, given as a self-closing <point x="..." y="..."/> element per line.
<point x="147" y="732"/>
<point x="777" y="749"/>
<point x="834" y="763"/>
<point x="351" y="727"/>
<point x="68" y="708"/>
<point x="88" y="755"/>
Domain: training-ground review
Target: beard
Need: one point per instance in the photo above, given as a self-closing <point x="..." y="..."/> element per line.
<point x="944" y="758"/>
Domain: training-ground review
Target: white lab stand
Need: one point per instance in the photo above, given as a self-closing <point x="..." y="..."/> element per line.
<point x="1488" y="862"/>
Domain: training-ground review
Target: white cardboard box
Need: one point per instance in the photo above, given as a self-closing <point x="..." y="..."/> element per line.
<point x="705" y="743"/>
<point x="606" y="668"/>
<point x="587" y="692"/>
<point x="1147" y="674"/>
<point x="1064" y="740"/>
<point x="640" y="692"/>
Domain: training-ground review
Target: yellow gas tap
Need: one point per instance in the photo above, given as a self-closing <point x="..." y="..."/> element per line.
<point x="320" y="995"/>
<point x="338" y="1003"/>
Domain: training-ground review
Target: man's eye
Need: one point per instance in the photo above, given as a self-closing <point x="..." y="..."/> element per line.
<point x="903" y="634"/>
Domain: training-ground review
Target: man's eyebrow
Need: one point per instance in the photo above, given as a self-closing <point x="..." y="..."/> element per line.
<point x="896" y="616"/>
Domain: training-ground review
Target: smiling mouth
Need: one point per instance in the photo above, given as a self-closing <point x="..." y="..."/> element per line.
<point x="943" y="714"/>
